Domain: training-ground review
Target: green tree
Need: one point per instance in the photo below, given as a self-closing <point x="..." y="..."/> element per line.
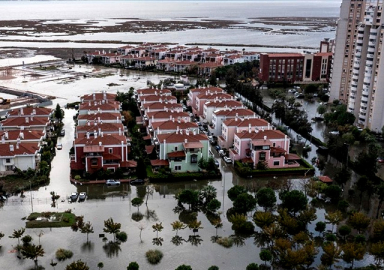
<point x="141" y="169"/>
<point x="320" y="227"/>
<point x="294" y="200"/>
<point x="184" y="267"/>
<point x="244" y="203"/>
<point x="333" y="192"/>
<point x="213" y="205"/>
<point x="266" y="198"/>
<point x="33" y="252"/>
<point x="58" y="113"/>
<point x="321" y="109"/>
<point x="307" y="215"/>
<point x="190" y="197"/>
<point x="207" y="194"/>
<point x="133" y="266"/>
<point x="359" y="221"/>
<point x="137" y="202"/>
<point x="378" y="230"/>
<point x="17" y="234"/>
<point x="100" y="265"/>
<point x="344" y="230"/>
<point x="77" y="265"/>
<point x="265" y="255"/>
<point x="213" y="267"/>
<point x="111" y="227"/>
<point x="380" y="194"/>
<point x="235" y="191"/>
<point x="252" y="266"/>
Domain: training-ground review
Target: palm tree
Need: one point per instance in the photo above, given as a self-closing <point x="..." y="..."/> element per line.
<point x="195" y="226"/>
<point x="111" y="227"/>
<point x="178" y="225"/>
<point x="17" y="234"/>
<point x="33" y="252"/>
<point x="79" y="265"/>
<point x="334" y="218"/>
<point x="87" y="228"/>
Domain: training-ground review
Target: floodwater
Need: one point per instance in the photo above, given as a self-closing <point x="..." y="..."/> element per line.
<point x="105" y="202"/>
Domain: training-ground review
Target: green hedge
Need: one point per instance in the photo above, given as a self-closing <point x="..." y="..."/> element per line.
<point x="183" y="176"/>
<point x="305" y="168"/>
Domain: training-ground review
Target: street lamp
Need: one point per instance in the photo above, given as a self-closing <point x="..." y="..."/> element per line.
<point x="30" y="191"/>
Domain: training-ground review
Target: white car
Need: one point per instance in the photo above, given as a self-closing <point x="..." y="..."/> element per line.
<point x="112" y="182"/>
<point x="59" y="146"/>
<point x="227" y="160"/>
<point x="82" y="196"/>
<point x="334" y="132"/>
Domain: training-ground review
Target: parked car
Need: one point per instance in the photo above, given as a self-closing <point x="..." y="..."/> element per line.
<point x="62" y="132"/>
<point x="217" y="147"/>
<point x="380" y="160"/>
<point x="227" y="160"/>
<point x="74" y="196"/>
<point x="291" y="91"/>
<point x="221" y="152"/>
<point x="82" y="196"/>
<point x="112" y="182"/>
<point x="137" y="182"/>
<point x="335" y="132"/>
<point x="59" y="146"/>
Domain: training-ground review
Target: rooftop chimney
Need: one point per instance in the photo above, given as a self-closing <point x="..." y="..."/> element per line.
<point x="11" y="148"/>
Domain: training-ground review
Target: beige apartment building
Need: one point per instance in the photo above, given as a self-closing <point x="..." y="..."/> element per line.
<point x="351" y="14"/>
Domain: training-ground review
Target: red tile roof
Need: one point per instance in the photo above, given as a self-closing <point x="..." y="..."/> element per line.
<point x="150" y="91"/>
<point x="27" y="111"/>
<point x="271" y="134"/>
<point x="98" y="96"/>
<point x="213" y="96"/>
<point x="159" y="162"/>
<point x="258" y="122"/>
<point x="223" y="103"/>
<point x="149" y="149"/>
<point x="157" y="98"/>
<point x="13" y="135"/>
<point x="164" y="114"/>
<point x="171" y="125"/>
<point x="110" y="106"/>
<point x="180" y="138"/>
<point x="102" y="115"/>
<point x="234" y="112"/>
<point x="104" y="127"/>
<point x="176" y="154"/>
<point x="20" y="149"/>
<point x="325" y="179"/>
<point x="109" y="139"/>
<point x="212" y="88"/>
<point x="162" y="105"/>
<point x="25" y="121"/>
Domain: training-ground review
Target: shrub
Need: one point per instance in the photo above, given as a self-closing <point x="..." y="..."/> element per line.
<point x="331" y="237"/>
<point x="68" y="211"/>
<point x="122" y="236"/>
<point x="26" y="240"/>
<point x="360" y="239"/>
<point x="133" y="266"/>
<point x="213" y="267"/>
<point x="225" y="242"/>
<point x="252" y="266"/>
<point x="65" y="219"/>
<point x="63" y="254"/>
<point x="154" y="256"/>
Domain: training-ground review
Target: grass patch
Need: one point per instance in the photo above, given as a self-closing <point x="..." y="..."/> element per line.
<point x="50" y="220"/>
<point x="154" y="256"/>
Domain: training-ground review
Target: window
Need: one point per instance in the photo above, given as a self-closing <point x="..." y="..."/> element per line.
<point x="110" y="150"/>
<point x="175" y="148"/>
<point x="177" y="168"/>
<point x="193" y="158"/>
<point x="276" y="163"/>
<point x="94" y="162"/>
<point x="262" y="156"/>
<point x="7" y="160"/>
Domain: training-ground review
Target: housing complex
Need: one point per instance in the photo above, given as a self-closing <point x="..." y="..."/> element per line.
<point x="22" y="134"/>
<point x="179" y="140"/>
<point x="100" y="140"/>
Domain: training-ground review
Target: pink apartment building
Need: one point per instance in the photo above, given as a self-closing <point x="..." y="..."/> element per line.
<point x="270" y="146"/>
<point x="238" y="125"/>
